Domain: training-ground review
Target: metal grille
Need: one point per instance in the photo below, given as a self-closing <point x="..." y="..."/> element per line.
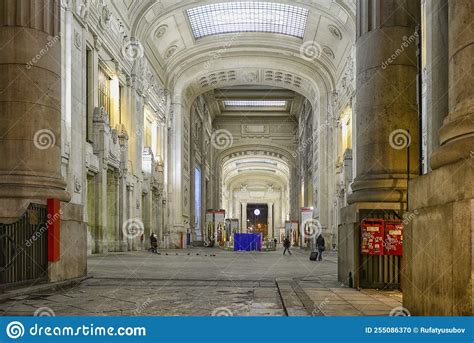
<point x="380" y="271"/>
<point x="24" y="248"/>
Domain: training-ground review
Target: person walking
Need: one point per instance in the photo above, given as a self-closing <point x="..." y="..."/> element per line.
<point x="153" y="243"/>
<point x="321" y="246"/>
<point x="286" y="245"/>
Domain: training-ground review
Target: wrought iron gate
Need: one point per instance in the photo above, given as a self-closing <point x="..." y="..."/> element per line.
<point x="24" y="248"/>
<point x="380" y="271"/>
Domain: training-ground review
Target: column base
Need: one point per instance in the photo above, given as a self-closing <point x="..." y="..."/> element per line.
<point x="177" y="237"/>
<point x="383" y="190"/>
<point x="349" y="258"/>
<point x="439" y="245"/>
<point x="73" y="261"/>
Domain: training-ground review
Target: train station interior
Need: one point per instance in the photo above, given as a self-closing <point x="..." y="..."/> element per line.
<point x="159" y="156"/>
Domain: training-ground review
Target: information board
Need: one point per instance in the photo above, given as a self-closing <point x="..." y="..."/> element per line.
<point x="393" y="242"/>
<point x="372" y="236"/>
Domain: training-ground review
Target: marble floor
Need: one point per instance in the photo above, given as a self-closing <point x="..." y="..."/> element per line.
<point x="206" y="282"/>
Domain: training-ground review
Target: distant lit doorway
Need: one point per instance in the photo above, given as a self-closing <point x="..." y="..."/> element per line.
<point x="257" y="219"/>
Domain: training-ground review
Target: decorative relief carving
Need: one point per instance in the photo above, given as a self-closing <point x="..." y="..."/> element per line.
<point x="82" y="9"/>
<point x="250" y="77"/>
<point x="185" y="196"/>
<point x="100" y="115"/>
<point x="160" y="31"/>
<point x="251" y="130"/>
<point x="105" y="15"/>
<point x="170" y="51"/>
<point x="77" y="40"/>
<point x="328" y="51"/>
<point x="335" y="32"/>
<point x="77" y="185"/>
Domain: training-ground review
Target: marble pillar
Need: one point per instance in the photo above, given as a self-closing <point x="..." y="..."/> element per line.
<point x="30" y="105"/>
<point x="439" y="245"/>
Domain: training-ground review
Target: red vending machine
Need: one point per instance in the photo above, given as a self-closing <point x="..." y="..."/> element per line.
<point x="393" y="243"/>
<point x="372" y="236"/>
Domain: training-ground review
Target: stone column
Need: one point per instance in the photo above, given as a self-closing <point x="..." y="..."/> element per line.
<point x="244" y="217"/>
<point x="439" y="245"/>
<point x="456" y="134"/>
<point x="270" y="220"/>
<point x="386" y="122"/>
<point x="30" y="105"/>
<point x="435" y="37"/>
<point x="387" y="113"/>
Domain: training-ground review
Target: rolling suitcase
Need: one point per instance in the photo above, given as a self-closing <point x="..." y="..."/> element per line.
<point x="313" y="256"/>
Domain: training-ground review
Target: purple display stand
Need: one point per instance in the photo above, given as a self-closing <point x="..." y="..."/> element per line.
<point x="247" y="241"/>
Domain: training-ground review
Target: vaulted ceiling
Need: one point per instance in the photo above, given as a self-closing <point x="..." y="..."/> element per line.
<point x="314" y="36"/>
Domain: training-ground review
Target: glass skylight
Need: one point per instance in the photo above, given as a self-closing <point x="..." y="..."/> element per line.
<point x="228" y="17"/>
<point x="255" y="103"/>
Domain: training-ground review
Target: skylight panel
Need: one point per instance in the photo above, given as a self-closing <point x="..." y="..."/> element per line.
<point x="255" y="103"/>
<point x="233" y="17"/>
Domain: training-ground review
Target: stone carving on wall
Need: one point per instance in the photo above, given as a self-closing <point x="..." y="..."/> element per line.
<point x="100" y="115"/>
<point x="186" y="146"/>
<point x="105" y="14"/>
<point x="185" y="196"/>
<point x="77" y="185"/>
<point x="97" y="43"/>
<point x="346" y="85"/>
<point x="250" y="77"/>
<point x="142" y="78"/>
<point x="77" y="40"/>
<point x="82" y="9"/>
<point x="255" y="130"/>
